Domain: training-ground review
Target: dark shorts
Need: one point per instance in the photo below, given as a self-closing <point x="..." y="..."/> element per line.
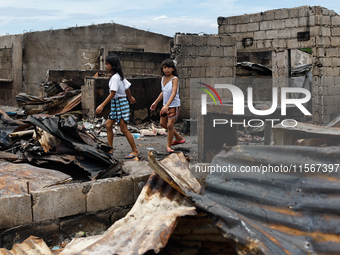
<point x="120" y="109"/>
<point x="172" y="113"/>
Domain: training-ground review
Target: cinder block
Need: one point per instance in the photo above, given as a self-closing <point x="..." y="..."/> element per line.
<point x="140" y="65"/>
<point x="292" y="22"/>
<point x="336" y="62"/>
<point x="227" y="41"/>
<point x="259" y="35"/>
<point x="253" y="26"/>
<point x="332" y="52"/>
<point x="284" y="33"/>
<point x="128" y="64"/>
<point x="335" y="41"/>
<point x="255" y="17"/>
<point x="303" y="21"/>
<point x="58" y="202"/>
<point x="335" y="31"/>
<point x="242" y="28"/>
<point x="315" y="31"/>
<point x="303" y="12"/>
<point x="230" y="28"/>
<point x="226" y="72"/>
<point x="199" y="40"/>
<point x="312" y="21"/>
<point x="183" y="39"/>
<point x="325" y="20"/>
<point x="15" y="210"/>
<point x="323" y="41"/>
<point x="212" y="72"/>
<point x="213" y="61"/>
<point x="325" y="31"/>
<point x="109" y="193"/>
<point x="335" y="20"/>
<point x="278" y="24"/>
<point x="150" y="65"/>
<point x="213" y="40"/>
<point x="282" y="43"/>
<point x="200" y="62"/>
<point x="265" y="25"/>
<point x="189" y="50"/>
<point x="140" y="181"/>
<point x="281" y="14"/>
<point x="269" y="15"/>
<point x="293" y="44"/>
<point x="216" y="51"/>
<point x="229" y="51"/>
<point x="272" y="34"/>
<point x="228" y="62"/>
<point x="293" y="13"/>
<point x="203" y="51"/>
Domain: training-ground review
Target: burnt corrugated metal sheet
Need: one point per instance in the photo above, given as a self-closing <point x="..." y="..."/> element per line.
<point x="31" y="246"/>
<point x="149" y="224"/>
<point x="290" y="213"/>
<point x="73" y="102"/>
<point x="23" y="178"/>
<point x="90" y="158"/>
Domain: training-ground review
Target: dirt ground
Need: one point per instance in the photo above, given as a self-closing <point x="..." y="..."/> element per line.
<point x="157" y="144"/>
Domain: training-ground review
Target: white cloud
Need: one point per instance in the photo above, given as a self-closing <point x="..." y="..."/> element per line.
<point x="160" y="17"/>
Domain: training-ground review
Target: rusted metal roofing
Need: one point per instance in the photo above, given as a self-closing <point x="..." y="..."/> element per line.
<point x="73" y="102"/>
<point x="291" y="213"/>
<point x="147" y="226"/>
<point x="31" y="246"/>
<point x="23" y="178"/>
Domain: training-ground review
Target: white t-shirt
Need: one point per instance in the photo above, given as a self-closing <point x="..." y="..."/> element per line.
<point x="118" y="85"/>
<point x="167" y="91"/>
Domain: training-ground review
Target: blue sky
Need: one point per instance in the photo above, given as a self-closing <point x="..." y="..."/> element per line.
<point x="164" y="17"/>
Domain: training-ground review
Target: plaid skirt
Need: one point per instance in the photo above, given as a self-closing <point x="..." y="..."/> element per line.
<point x="120" y="109"/>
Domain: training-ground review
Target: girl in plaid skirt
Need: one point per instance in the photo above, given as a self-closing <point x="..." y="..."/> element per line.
<point x="120" y="108"/>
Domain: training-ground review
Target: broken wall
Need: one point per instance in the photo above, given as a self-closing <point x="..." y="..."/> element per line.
<point x="36" y="52"/>
<point x="11" y="68"/>
<point x="144" y="89"/>
<point x="315" y="28"/>
<point x="141" y="62"/>
<point x="202" y="56"/>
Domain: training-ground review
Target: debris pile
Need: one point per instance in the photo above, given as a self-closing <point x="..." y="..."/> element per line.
<point x="60" y="98"/>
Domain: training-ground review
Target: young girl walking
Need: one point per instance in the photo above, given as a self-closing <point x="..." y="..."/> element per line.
<point x="171" y="102"/>
<point x="120" y="108"/>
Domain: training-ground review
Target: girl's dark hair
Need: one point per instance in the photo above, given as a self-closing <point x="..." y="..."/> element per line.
<point x="114" y="61"/>
<point x="169" y="63"/>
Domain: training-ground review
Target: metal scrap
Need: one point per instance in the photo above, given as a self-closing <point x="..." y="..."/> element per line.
<point x="14" y="178"/>
<point x="289" y="213"/>
<point x="151" y="221"/>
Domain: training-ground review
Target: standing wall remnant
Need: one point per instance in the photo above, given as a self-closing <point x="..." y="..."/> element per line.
<point x="315" y="28"/>
<point x="202" y="56"/>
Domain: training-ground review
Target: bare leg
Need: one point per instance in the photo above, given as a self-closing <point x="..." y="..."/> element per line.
<point x="129" y="137"/>
<point x="164" y="124"/>
<point x="171" y="131"/>
<point x="109" y="124"/>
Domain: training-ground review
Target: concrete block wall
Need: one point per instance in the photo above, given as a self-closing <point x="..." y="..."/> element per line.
<point x="277" y="30"/>
<point x="59" y="212"/>
<point x="202" y="56"/>
<point x="145" y="89"/>
<point x="6" y="65"/>
<point x="140" y="62"/>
